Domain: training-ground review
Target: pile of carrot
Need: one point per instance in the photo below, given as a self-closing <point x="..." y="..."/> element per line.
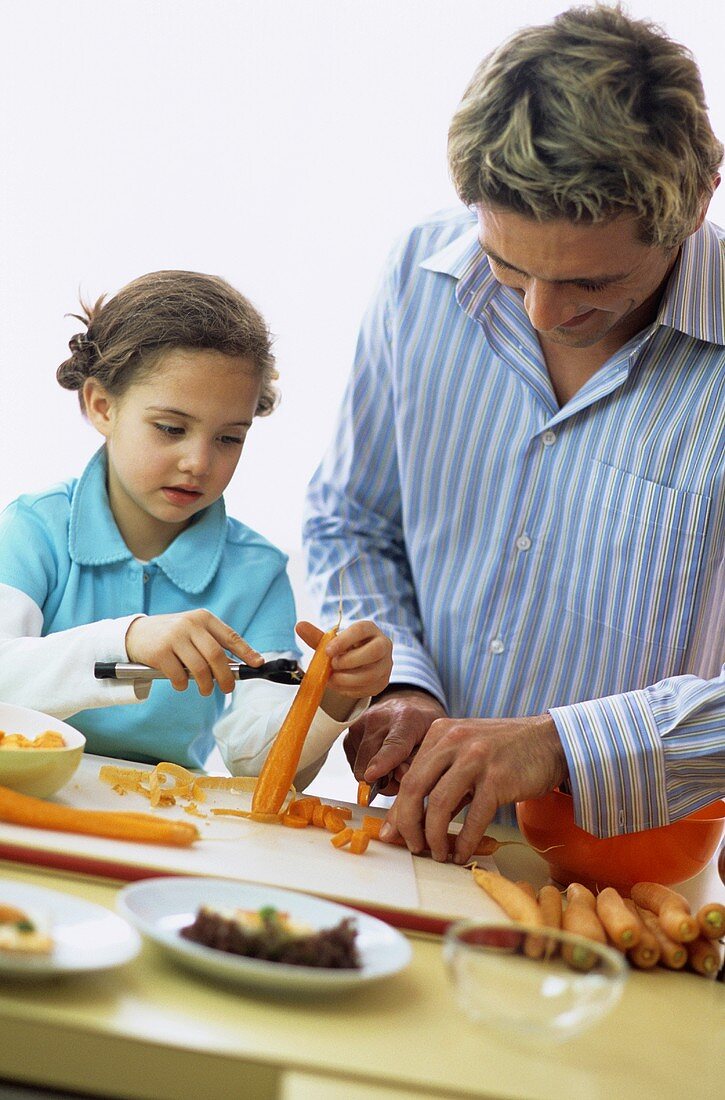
<point x="654" y="926"/>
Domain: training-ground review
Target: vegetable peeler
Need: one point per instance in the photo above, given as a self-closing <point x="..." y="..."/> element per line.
<point x="281" y="671"/>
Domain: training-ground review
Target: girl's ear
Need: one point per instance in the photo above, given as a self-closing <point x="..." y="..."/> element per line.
<point x="99" y="405"/>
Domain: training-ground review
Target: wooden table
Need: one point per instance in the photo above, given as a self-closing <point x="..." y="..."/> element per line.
<point x="153" y="1030"/>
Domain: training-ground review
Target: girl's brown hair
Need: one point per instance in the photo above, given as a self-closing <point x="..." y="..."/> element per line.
<point x="126" y="335"/>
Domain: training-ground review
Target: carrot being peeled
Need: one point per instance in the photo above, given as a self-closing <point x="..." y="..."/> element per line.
<point x="279" y="768"/>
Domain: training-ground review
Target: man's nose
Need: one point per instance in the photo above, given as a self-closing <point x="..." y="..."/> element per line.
<point x="548" y="305"/>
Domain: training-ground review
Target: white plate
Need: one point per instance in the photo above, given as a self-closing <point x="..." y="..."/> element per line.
<point x="160" y="907"/>
<point x="87" y="936"/>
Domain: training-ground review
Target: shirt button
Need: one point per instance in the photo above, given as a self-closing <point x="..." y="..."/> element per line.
<point x="523" y="542"/>
<point x="145" y="578"/>
<point x="496" y="646"/>
<point x="548" y="438"/>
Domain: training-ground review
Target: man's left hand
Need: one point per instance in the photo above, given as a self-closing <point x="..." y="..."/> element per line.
<point x="485" y="762"/>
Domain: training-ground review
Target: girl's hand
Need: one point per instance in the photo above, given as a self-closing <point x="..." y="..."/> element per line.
<point x="362" y="660"/>
<point x="191" y="640"/>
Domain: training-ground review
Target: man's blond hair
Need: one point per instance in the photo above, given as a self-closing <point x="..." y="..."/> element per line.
<point x="587" y="117"/>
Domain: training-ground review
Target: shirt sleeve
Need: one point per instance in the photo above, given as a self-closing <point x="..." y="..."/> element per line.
<point x="54" y="674"/>
<point x="352" y="530"/>
<point x="644" y="758"/>
<point x="252" y="719"/>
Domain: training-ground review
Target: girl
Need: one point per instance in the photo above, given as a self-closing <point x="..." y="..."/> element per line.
<point x="137" y="560"/>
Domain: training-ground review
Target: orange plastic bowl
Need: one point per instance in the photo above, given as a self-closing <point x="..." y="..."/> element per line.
<point x="669" y="854"/>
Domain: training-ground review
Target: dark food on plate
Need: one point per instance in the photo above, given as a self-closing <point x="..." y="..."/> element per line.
<point x="270" y="935"/>
<point x="20" y="934"/>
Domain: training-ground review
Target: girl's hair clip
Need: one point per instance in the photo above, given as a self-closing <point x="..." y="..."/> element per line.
<point x="80" y="343"/>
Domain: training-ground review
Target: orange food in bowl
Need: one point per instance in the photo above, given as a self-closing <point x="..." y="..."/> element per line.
<point x="669" y="854"/>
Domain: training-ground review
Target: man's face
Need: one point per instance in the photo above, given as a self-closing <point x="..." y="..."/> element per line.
<point x="582" y="284"/>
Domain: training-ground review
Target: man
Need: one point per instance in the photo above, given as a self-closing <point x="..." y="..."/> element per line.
<point x="527" y="485"/>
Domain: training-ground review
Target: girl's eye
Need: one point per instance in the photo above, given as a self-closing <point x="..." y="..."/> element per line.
<point x="169" y="429"/>
<point x="231" y="440"/>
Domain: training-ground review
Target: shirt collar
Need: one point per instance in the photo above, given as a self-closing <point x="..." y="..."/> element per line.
<point x="692" y="302"/>
<point x="190" y="562"/>
<point x="694" y="296"/>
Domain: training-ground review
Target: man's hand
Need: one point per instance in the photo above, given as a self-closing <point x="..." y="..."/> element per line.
<point x="386" y="736"/>
<point x="486" y="762"/>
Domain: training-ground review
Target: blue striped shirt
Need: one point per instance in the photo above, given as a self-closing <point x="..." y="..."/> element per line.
<point x="526" y="557"/>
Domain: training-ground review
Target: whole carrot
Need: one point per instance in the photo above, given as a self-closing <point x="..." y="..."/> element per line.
<point x="672" y="953"/>
<point x="550" y="905"/>
<point x="22" y="809"/>
<point x="646" y="953"/>
<point x="513" y="900"/>
<point x="279" y="768"/>
<point x="711" y="920"/>
<point x="704" y="956"/>
<point x="534" y="945"/>
<point x="622" y="928"/>
<point x="672" y="909"/>
<point x="580" y="917"/>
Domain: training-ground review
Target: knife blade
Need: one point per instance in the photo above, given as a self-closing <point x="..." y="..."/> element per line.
<point x="283" y="670"/>
<point x="380" y="784"/>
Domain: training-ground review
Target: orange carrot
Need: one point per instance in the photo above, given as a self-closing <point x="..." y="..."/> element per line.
<point x="303" y="807"/>
<point x="672" y="954"/>
<point x="334" y="822"/>
<point x="711" y="920"/>
<point x="372" y="825"/>
<point x="580" y="917"/>
<point x="534" y="946"/>
<point x="550" y="905"/>
<point x="704" y="956"/>
<point x="342" y="838"/>
<point x="363" y="793"/>
<point x="646" y="953"/>
<point x="22" y="809"/>
<point x="619" y="924"/>
<point x="672" y="909"/>
<point x="359" y="841"/>
<point x="513" y="900"/>
<point x="279" y="768"/>
<point x="318" y="816"/>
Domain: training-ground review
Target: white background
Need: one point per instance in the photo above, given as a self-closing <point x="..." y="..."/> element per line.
<point x="282" y="144"/>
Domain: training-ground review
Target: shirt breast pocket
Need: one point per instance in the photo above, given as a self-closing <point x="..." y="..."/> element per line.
<point x="638" y="554"/>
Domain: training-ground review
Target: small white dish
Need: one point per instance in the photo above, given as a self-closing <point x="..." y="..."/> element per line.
<point x="86" y="936"/>
<point x="160" y="907"/>
<point x="38" y="772"/>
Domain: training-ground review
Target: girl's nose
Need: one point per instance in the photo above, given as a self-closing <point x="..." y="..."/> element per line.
<point x="548" y="305"/>
<point x="195" y="458"/>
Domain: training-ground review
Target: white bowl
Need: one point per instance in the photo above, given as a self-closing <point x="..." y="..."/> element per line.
<point x="39" y="772"/>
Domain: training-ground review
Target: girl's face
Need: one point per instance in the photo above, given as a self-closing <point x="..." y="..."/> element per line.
<point x="173" y="439"/>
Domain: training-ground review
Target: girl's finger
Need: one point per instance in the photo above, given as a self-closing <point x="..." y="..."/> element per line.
<point x="231" y="640"/>
<point x="353" y="636"/>
<point x="173" y="670"/>
<point x="198" y="666"/>
<point x="309" y="633"/>
<point x="377" y="649"/>
<point x="216" y="660"/>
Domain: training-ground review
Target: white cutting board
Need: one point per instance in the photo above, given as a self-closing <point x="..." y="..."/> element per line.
<point x="300" y="859"/>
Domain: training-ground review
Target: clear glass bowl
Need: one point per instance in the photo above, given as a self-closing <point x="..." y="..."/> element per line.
<point x="571" y="985"/>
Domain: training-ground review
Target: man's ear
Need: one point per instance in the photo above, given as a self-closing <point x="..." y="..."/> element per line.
<point x="99" y="405"/>
<point x="707" y="200"/>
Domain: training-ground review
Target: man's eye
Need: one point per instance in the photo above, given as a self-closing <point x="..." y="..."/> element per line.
<point x="169" y="429"/>
<point x="592" y="286"/>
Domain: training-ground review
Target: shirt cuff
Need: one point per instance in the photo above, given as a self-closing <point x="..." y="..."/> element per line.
<point x="616" y="764"/>
<point x="412" y="665"/>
